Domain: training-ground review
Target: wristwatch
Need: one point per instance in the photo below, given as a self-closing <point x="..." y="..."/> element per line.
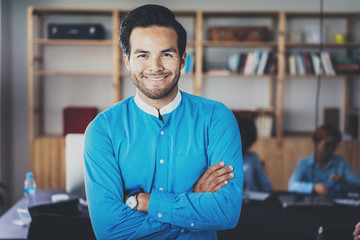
<point x="132" y="200"/>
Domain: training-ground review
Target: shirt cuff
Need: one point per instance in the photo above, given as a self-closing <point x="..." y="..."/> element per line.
<point x="161" y="205"/>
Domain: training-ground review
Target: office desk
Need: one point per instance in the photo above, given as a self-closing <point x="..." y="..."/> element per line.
<point x="268" y="220"/>
<point x="9" y="230"/>
<point x="258" y="220"/>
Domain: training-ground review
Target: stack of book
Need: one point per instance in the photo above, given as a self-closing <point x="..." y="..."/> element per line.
<point x="304" y="63"/>
<point x="344" y="65"/>
<point x="252" y="63"/>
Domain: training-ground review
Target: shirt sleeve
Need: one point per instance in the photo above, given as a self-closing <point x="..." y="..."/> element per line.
<point x="298" y="182"/>
<point x="208" y="211"/>
<point x="110" y="217"/>
<point x="352" y="179"/>
<point x="264" y="182"/>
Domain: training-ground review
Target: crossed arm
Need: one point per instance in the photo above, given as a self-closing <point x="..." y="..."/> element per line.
<point x="215" y="178"/>
<point x="213" y="204"/>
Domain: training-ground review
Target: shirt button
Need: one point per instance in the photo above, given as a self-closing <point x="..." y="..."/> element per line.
<point x="182" y="230"/>
<point x="161" y="161"/>
<point x="162" y="132"/>
<point x="161" y="189"/>
<point x="192" y="224"/>
<point x="159" y="215"/>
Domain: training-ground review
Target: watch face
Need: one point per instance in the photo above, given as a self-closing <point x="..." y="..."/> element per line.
<point x="131" y="202"/>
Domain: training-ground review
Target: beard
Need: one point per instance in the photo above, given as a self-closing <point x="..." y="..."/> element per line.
<point x="157" y="93"/>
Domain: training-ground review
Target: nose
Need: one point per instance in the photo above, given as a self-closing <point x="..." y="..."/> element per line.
<point x="155" y="64"/>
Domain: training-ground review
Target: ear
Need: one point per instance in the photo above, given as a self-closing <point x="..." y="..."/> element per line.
<point x="127" y="61"/>
<point x="182" y="61"/>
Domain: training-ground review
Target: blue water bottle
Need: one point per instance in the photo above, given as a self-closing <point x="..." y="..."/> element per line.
<point x="30" y="189"/>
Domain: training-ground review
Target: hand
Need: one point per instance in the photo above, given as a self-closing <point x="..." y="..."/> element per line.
<point x="143" y="202"/>
<point x="356" y="232"/>
<point x="215" y="178"/>
<point x="338" y="178"/>
<point x="321" y="188"/>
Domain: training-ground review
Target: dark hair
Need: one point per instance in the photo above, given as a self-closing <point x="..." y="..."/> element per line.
<point x="147" y="16"/>
<point x="247" y="131"/>
<point x="324" y="131"/>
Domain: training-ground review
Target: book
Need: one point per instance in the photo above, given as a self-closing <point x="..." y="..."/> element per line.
<point x="249" y="63"/>
<point x="300" y="69"/>
<point x="292" y="65"/>
<point x="257" y="62"/>
<point x="263" y="61"/>
<point x="326" y="61"/>
<point x="233" y="62"/>
<point x="316" y="64"/>
<point x="344" y="65"/>
<point x="307" y="63"/>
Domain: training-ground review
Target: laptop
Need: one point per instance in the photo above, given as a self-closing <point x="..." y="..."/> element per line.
<point x="300" y="200"/>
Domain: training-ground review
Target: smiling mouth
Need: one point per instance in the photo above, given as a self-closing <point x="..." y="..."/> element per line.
<point x="157" y="78"/>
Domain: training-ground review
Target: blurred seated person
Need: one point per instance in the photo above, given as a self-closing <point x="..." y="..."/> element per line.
<point x="328" y="174"/>
<point x="255" y="178"/>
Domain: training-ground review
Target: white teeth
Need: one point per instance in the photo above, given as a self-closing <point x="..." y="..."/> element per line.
<point x="156" y="79"/>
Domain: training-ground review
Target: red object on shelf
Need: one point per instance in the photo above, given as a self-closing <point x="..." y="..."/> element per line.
<point x="76" y="119"/>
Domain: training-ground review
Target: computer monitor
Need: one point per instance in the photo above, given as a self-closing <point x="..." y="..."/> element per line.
<point x="74" y="163"/>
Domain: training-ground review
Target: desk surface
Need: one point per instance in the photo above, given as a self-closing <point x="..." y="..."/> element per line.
<point x="268" y="220"/>
<point x="258" y="220"/>
<point x="9" y="230"/>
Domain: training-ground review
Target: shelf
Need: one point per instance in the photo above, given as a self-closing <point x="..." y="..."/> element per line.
<point x="72" y="74"/>
<point x="39" y="10"/>
<point x="238" y="44"/>
<point x="252" y="14"/>
<point x="324" y="45"/>
<point x="229" y="74"/>
<point x="73" y="42"/>
<point x="323" y="76"/>
<point x="325" y="14"/>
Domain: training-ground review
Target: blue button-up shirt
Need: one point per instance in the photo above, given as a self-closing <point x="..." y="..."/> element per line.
<point x="255" y="178"/>
<point x="128" y="147"/>
<point x="302" y="180"/>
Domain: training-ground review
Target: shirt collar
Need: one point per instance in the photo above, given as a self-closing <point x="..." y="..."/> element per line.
<point x="331" y="161"/>
<point x="153" y="111"/>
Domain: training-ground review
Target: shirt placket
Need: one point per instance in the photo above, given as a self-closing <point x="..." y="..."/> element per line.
<point x="162" y="161"/>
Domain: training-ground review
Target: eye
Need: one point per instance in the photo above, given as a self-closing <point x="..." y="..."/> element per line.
<point x="141" y="56"/>
<point x="167" y="55"/>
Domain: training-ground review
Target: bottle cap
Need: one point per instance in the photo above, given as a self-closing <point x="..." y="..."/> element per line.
<point x="29" y="175"/>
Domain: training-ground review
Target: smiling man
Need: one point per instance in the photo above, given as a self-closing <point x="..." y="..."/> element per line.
<point x="163" y="164"/>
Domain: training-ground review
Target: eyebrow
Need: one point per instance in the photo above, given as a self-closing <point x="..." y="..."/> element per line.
<point x="137" y="51"/>
<point x="169" y="50"/>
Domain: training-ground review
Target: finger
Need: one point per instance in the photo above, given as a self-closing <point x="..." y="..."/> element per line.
<point x="220" y="181"/>
<point x="212" y="169"/>
<point x="219" y="186"/>
<point x="220" y="172"/>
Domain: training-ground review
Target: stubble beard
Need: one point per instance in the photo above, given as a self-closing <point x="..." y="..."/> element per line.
<point x="156" y="94"/>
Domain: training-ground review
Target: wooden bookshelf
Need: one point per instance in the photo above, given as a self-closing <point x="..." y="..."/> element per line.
<point x="280" y="152"/>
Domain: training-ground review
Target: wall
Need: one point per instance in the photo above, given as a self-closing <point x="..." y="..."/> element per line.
<point x="19" y="144"/>
<point x="5" y="89"/>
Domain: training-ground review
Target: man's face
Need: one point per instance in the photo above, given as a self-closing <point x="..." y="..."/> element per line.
<point x="154" y="62"/>
<point x="326" y="148"/>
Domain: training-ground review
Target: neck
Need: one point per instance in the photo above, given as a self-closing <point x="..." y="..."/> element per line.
<point x="322" y="162"/>
<point x="159" y="103"/>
